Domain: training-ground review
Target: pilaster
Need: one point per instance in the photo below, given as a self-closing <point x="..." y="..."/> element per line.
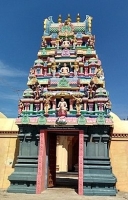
<point x="23" y="179"/>
<point x="98" y="177"/>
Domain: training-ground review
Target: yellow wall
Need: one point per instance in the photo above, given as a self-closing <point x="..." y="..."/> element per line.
<point x="8" y="153"/>
<point x="119" y="162"/>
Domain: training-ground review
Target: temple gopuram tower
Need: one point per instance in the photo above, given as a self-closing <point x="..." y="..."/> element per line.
<point x="65" y="95"/>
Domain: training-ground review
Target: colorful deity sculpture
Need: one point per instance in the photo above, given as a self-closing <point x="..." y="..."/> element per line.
<point x="20" y="107"/>
<point x="47" y="104"/>
<point x="91" y="89"/>
<point x="65" y="45"/>
<point x="108" y="106"/>
<point x="53" y="68"/>
<point x="78" y="104"/>
<point x="76" y="68"/>
<point x="64" y="70"/>
<point x="62" y="107"/>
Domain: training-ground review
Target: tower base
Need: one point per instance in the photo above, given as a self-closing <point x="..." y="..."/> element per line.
<point x="98" y="178"/>
<point x="23" y="179"/>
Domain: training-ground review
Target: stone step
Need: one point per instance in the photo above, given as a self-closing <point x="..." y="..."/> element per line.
<point x="67" y="174"/>
<point x="66" y="182"/>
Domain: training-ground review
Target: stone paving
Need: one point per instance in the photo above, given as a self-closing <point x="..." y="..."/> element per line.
<point x="58" y="194"/>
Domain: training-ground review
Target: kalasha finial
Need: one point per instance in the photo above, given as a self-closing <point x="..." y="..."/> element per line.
<point x="59" y="19"/>
<point x="78" y="17"/>
<point x="69" y="18"/>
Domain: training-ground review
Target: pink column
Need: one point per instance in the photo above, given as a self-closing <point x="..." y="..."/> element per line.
<point x="26" y="106"/>
<point x="54" y="104"/>
<point x="71" y="104"/>
<point x="41" y="105"/>
<point x="45" y="71"/>
<point x="86" y="71"/>
<point x="40" y="182"/>
<point x="85" y="105"/>
<point x="80" y="167"/>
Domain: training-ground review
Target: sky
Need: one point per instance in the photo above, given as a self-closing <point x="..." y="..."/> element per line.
<point x="21" y="29"/>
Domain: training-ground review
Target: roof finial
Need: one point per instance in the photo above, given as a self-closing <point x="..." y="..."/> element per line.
<point x="59" y="19"/>
<point x="78" y="17"/>
<point x="69" y="18"/>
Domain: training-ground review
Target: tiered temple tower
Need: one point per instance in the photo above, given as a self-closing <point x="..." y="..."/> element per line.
<point x="66" y="87"/>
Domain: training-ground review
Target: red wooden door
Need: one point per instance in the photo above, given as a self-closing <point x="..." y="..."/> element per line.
<point x="52" y="160"/>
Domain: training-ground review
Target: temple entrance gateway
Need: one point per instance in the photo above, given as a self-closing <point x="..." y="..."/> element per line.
<point x="66" y="95"/>
<point x="68" y="175"/>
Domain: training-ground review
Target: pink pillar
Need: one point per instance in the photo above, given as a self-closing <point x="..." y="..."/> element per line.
<point x="85" y="105"/>
<point x="71" y="104"/>
<point x="45" y="71"/>
<point x="26" y="106"/>
<point x="41" y="105"/>
<point x="54" y="104"/>
<point x="40" y="182"/>
<point x="86" y="71"/>
<point x="80" y="167"/>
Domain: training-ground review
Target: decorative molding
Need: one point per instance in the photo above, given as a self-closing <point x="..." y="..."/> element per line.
<point x="81" y="120"/>
<point x="42" y="120"/>
<point x="119" y="135"/>
<point x="63" y="82"/>
<point x="100" y="120"/>
<point x="25" y="119"/>
<point x="9" y="132"/>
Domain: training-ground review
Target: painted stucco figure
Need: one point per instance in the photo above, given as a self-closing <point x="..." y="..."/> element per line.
<point x="62" y="107"/>
<point x="47" y="101"/>
<point x="78" y="101"/>
<point x="53" y="68"/>
<point x="76" y="68"/>
<point x="64" y="70"/>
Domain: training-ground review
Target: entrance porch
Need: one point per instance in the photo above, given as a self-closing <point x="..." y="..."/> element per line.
<point x="49" y="177"/>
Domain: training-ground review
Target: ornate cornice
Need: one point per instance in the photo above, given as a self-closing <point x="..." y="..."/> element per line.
<point x="8" y="132"/>
<point x="119" y="135"/>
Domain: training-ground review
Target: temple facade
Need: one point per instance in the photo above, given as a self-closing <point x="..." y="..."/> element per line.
<point x="66" y="102"/>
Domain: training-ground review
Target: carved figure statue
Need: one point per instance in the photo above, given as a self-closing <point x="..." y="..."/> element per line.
<point x="47" y="24"/>
<point x="74" y="43"/>
<point x="47" y="104"/>
<point x="37" y="91"/>
<point x="65" y="45"/>
<point x="86" y="91"/>
<point x="44" y="43"/>
<point x="78" y="104"/>
<point x="64" y="70"/>
<point x="91" y="89"/>
<point x="32" y="71"/>
<point x="53" y="69"/>
<point x="91" y="41"/>
<point x="89" y="23"/>
<point x="99" y="72"/>
<point x="62" y="107"/>
<point x="58" y="40"/>
<point x="108" y="106"/>
<point x="76" y="68"/>
<point x="20" y="107"/>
